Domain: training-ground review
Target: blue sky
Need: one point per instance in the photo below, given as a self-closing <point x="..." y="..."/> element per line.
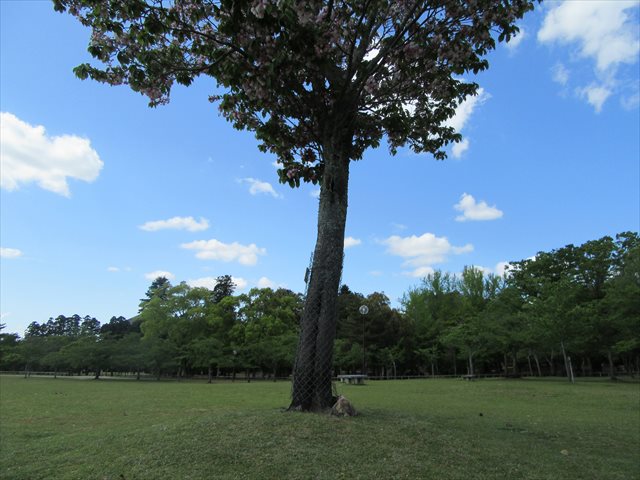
<point x="550" y="157"/>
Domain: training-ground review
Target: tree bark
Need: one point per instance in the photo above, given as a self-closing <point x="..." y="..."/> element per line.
<point x="612" y="373"/>
<point x="535" y="357"/>
<point x="312" y="389"/>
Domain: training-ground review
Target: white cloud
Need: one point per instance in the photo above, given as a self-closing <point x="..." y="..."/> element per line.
<point x="560" y="74"/>
<point x="513" y="44"/>
<point x="459" y="148"/>
<point x="315" y="193"/>
<point x="424" y="251"/>
<point x="602" y="30"/>
<point x="27" y="155"/>
<point x="420" y="272"/>
<point x="113" y="269"/>
<point x="466" y="108"/>
<point x="502" y="268"/>
<point x="351" y="242"/>
<point x="10" y="252"/>
<point x="264" y="282"/>
<point x="371" y="54"/>
<point x="176" y="223"/>
<point x="471" y="210"/>
<point x="632" y="101"/>
<point x="227" y="252"/>
<point x="211" y="282"/>
<point x="605" y="32"/>
<point x="462" y="116"/>
<point x="204" y="282"/>
<point x="595" y="95"/>
<point x="240" y="282"/>
<point x="375" y="273"/>
<point x="159" y="273"/>
<point x="257" y="187"/>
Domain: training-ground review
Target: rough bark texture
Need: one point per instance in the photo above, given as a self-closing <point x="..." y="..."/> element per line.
<point x="312" y="389"/>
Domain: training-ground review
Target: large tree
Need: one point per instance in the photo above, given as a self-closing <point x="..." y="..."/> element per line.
<point x="319" y="82"/>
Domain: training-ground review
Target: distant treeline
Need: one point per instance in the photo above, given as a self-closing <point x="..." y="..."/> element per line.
<point x="573" y="310"/>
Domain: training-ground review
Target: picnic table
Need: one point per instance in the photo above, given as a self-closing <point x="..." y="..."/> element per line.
<point x="352" y="379"/>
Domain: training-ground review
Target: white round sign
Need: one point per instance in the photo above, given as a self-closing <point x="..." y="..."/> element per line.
<point x="364" y="310"/>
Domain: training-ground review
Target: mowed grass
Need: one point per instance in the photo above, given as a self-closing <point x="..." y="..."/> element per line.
<point x="419" y="429"/>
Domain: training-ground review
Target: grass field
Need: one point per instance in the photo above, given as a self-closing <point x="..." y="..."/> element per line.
<point x="418" y="429"/>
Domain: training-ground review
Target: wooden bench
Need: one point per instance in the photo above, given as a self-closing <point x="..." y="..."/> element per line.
<point x="352" y="379"/>
<point x="469" y="378"/>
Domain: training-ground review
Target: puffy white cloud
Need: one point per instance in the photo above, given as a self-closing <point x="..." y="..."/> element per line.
<point x="602" y="30"/>
<point x="351" y="242"/>
<point x="501" y="268"/>
<point x="159" y="273"/>
<point x="211" y="282"/>
<point x="264" y="282"/>
<point x="28" y="155"/>
<point x="424" y="251"/>
<point x="10" y="252"/>
<point x="471" y="210"/>
<point x="632" y="101"/>
<point x="420" y="272"/>
<point x="371" y="54"/>
<point x="466" y="109"/>
<point x="560" y="74"/>
<point x="204" y="282"/>
<point x="462" y="116"/>
<point x="227" y="252"/>
<point x="240" y="282"/>
<point x="513" y="44"/>
<point x="113" y="269"/>
<point x="459" y="148"/>
<point x="176" y="223"/>
<point x="595" y="95"/>
<point x="257" y="187"/>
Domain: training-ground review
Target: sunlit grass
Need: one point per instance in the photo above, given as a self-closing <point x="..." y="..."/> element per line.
<point x="440" y="429"/>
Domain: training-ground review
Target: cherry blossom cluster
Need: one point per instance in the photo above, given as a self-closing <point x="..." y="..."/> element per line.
<point x="304" y="75"/>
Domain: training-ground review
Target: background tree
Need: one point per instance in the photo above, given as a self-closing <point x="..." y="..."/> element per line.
<point x="10" y="358"/>
<point x="433" y="307"/>
<point x="318" y="82"/>
<point x="157" y="289"/>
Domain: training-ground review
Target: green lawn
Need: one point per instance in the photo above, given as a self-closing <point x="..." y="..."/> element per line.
<point x="419" y="429"/>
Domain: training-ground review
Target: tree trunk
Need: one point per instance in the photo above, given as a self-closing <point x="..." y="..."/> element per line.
<point x="567" y="367"/>
<point x="312" y="390"/>
<point x="210" y="374"/>
<point x="612" y="373"/>
<point x="535" y="357"/>
<point x="552" y="364"/>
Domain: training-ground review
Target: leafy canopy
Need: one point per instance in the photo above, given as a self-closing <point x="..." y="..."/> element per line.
<point x="305" y="74"/>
